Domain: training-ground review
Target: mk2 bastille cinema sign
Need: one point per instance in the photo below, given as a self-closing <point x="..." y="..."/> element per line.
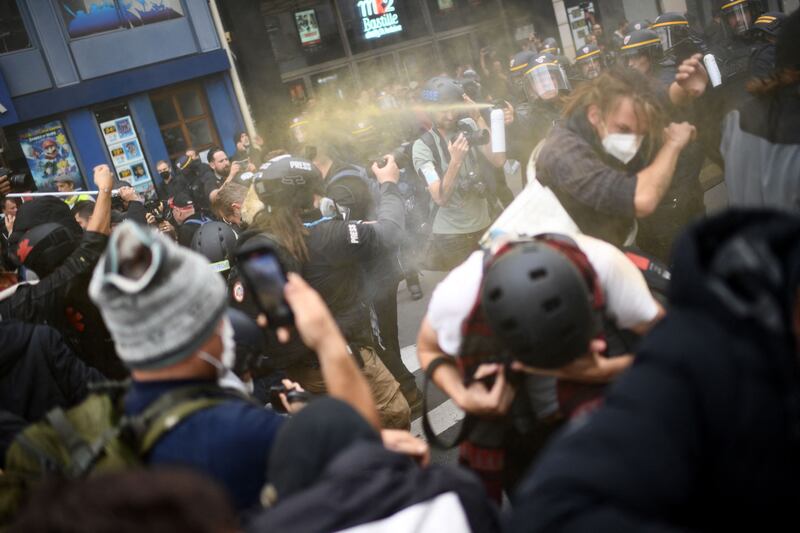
<point x="378" y="18"/>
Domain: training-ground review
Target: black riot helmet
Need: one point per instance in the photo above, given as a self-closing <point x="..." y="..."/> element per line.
<point x="672" y="28"/>
<point x="550" y="46"/>
<point x="642" y="42"/>
<point x="545" y="78"/>
<point x="520" y="64"/>
<point x="44" y="248"/>
<point x="739" y="16"/>
<point x="287" y="181"/>
<point x="768" y="25"/>
<point x="538" y="305"/>
<point x="636" y="26"/>
<point x="217" y="242"/>
<point x="590" y="61"/>
<point x="442" y="90"/>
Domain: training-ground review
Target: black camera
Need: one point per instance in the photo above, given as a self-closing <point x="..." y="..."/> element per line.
<point x="471" y="132"/>
<point x="291" y="396"/>
<point x="159" y="210"/>
<point x="471" y="183"/>
<point x="401" y="154"/>
<point x="19" y="182"/>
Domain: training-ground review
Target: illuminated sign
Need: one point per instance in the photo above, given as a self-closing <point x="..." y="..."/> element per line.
<point x="378" y="18"/>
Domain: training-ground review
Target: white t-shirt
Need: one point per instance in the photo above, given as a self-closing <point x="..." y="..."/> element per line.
<point x="628" y="299"/>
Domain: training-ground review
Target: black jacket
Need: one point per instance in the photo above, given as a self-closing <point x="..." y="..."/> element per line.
<point x="702" y="433"/>
<point x="38" y="372"/>
<point x="61" y="301"/>
<point x="366" y="483"/>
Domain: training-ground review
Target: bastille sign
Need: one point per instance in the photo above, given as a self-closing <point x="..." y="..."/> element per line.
<point x="378" y="18"/>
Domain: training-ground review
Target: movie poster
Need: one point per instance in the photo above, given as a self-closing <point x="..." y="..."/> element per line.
<point x="49" y="155"/>
<point x="307" y="27"/>
<point x="126" y="153"/>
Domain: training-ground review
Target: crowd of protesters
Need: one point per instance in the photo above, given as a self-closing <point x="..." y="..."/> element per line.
<point x="220" y="351"/>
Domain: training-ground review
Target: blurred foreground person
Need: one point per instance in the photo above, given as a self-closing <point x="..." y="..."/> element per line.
<point x="157" y="501"/>
<point x="702" y="432"/>
<point x="761" y="139"/>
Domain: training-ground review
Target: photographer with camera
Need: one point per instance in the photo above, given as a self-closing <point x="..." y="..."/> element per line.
<point x="517" y="338"/>
<point x="331" y="254"/>
<point x="449" y="158"/>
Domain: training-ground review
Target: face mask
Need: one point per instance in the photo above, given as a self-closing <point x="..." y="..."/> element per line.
<point x="228" y="345"/>
<point x="623" y="146"/>
<point x="164" y="175"/>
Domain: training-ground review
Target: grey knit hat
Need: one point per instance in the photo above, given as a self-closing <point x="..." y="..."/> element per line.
<point x="163" y="311"/>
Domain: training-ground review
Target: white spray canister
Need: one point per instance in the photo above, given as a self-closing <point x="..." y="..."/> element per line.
<point x="498" y="131"/>
<point x="713" y="70"/>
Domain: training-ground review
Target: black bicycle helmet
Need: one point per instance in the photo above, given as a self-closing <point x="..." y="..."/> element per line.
<point x="44" y="248"/>
<point x="217" y="242"/>
<point x="287" y="181"/>
<point x="538" y="305"/>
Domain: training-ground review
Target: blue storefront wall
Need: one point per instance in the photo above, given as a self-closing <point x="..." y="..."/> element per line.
<point x="133" y="88"/>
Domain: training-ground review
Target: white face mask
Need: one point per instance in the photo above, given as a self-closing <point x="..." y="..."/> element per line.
<point x="227" y="359"/>
<point x="623" y="146"/>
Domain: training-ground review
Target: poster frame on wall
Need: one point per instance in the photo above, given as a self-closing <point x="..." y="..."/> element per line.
<point x="124" y="145"/>
<point x="48" y="153"/>
<point x="308" y="32"/>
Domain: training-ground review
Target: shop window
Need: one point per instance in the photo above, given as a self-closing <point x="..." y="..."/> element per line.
<point x="184" y="119"/>
<point x="49" y="154"/>
<point x="303" y="36"/>
<point x="337" y="83"/>
<point x="371" y="24"/>
<point x="450" y="14"/>
<point x="13" y="35"/>
<point x="89" y="17"/>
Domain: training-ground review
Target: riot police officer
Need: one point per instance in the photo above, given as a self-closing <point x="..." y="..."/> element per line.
<point x="590" y="62"/>
<point x="677" y="38"/>
<point x="765" y="34"/>
<point x="733" y="52"/>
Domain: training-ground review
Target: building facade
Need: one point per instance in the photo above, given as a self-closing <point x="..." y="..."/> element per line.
<point x="85" y="82"/>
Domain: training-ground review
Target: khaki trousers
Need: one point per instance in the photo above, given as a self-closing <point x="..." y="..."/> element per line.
<point x="392" y="406"/>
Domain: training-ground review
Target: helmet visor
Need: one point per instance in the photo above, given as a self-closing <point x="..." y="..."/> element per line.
<point x="299" y="131"/>
<point x="545" y="81"/>
<point x="738" y="18"/>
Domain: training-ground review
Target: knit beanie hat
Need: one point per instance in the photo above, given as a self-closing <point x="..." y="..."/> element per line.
<point x="160" y="301"/>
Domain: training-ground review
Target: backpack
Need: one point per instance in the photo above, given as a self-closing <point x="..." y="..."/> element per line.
<point x="95" y="437"/>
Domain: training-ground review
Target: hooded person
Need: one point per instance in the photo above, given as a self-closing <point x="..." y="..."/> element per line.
<point x="701" y="433"/>
<point x="49" y="242"/>
<point x="328" y="450"/>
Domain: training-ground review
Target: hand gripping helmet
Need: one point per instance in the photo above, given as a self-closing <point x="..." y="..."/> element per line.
<point x="738" y="16"/>
<point x="288" y="182"/>
<point x="672" y="28"/>
<point x="538" y="305"/>
<point x="590" y="61"/>
<point x="545" y="78"/>
<point x="550" y="46"/>
<point x="442" y="90"/>
<point x="217" y="242"/>
<point x="646" y="42"/>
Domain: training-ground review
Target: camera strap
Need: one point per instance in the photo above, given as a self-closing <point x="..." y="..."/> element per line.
<point x="430" y="435"/>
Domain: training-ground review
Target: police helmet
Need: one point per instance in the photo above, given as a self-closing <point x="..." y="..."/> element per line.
<point x="550" y="46"/>
<point x="538" y="305"/>
<point x="672" y="28"/>
<point x="590" y="61"/>
<point x="545" y="78"/>
<point x="217" y="242"/>
<point x="769" y="23"/>
<point x="44" y="248"/>
<point x="738" y="16"/>
<point x="442" y="90"/>
<point x="643" y="42"/>
<point x="636" y="25"/>
<point x="287" y="181"/>
<point x="520" y="63"/>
